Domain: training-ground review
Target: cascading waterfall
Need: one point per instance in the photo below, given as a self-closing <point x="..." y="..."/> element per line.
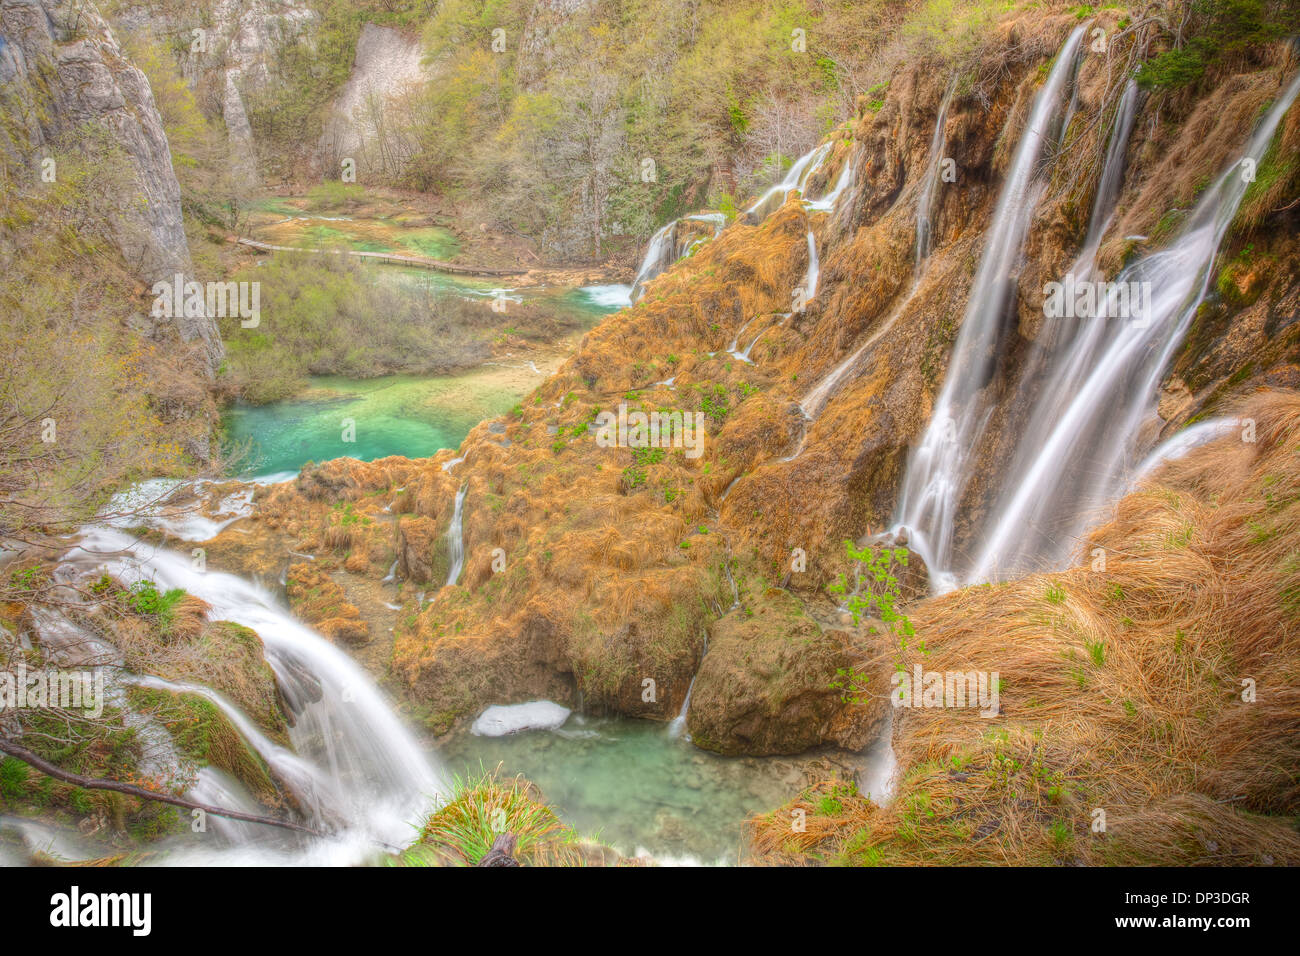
<point x="937" y="470"/>
<point x="665" y="248"/>
<point x="1176" y="446"/>
<point x="828" y="202"/>
<point x="820" y="394"/>
<point x="1084" y="461"/>
<point x="930" y="184"/>
<point x="735" y="341"/>
<point x="658" y="257"/>
<point x="806" y="291"/>
<point x="353" y="767"/>
<point x="795" y="178"/>
<point x="1112" y="174"/>
<point x="677" y="726"/>
<point x="1065" y="348"/>
<point x="456" y="538"/>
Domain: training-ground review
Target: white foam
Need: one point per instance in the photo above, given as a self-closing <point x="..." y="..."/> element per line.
<point x="617" y="296"/>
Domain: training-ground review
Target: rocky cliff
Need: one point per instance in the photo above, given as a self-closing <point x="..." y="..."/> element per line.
<point x="63" y="71"/>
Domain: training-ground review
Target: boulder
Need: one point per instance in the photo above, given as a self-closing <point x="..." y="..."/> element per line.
<point x="766" y="684"/>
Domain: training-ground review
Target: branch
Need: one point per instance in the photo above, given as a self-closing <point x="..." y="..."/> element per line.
<point x="96" y="783"/>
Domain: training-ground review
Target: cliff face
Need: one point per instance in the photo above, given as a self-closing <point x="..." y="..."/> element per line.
<point x="601" y="572"/>
<point x="63" y="71"/>
<point x="230" y="57"/>
<point x="362" y="126"/>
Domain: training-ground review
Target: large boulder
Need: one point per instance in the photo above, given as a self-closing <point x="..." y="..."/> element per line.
<point x="776" y="682"/>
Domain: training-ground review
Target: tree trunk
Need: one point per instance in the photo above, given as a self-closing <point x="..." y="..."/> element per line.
<point x="96" y="783"/>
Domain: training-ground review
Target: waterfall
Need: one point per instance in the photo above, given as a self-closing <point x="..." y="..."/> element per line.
<point x="1112" y="172"/>
<point x="734" y="349"/>
<point x="796" y="178"/>
<point x="658" y="257"/>
<point x="821" y="393"/>
<point x="456" y="538"/>
<point x="1094" y="429"/>
<point x="806" y="290"/>
<point x="1176" y="446"/>
<point x="677" y="726"/>
<point x="1065" y="349"/>
<point x="356" y="769"/>
<point x="735" y="341"/>
<point x="744" y="355"/>
<point x="665" y="248"/>
<point x="827" y="202"/>
<point x="937" y="470"/>
<point x="929" y="185"/>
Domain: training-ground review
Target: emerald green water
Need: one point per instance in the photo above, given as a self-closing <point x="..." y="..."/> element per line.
<point x="409" y="415"/>
<point x="395" y="415"/>
<point x="631" y="785"/>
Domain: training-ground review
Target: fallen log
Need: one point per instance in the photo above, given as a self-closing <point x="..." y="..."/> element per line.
<point x="502" y="852"/>
<point x="99" y="783"/>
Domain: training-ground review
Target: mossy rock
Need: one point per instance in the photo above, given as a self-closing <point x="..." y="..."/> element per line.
<point x="766" y="684"/>
<point x="204" y="736"/>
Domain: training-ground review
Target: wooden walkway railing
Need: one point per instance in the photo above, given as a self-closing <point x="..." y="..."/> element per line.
<point x="390" y="257"/>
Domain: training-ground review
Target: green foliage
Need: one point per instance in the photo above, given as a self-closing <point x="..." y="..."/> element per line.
<point x="288" y="113"/>
<point x="481" y="808"/>
<point x="875" y="585"/>
<point x="951" y="29"/>
<point x="634" y="476"/>
<point x="854" y="685"/>
<point x="1217" y="31"/>
<point x="145" y="599"/>
<point x="200" y="152"/>
<point x="553" y="145"/>
<point x="716" y="404"/>
<point x="1276" y="186"/>
<point x="13" y="778"/>
<point x="327" y="315"/>
<point x="75" y="389"/>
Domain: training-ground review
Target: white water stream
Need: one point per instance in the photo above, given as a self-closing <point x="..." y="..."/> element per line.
<point x="354" y="768"/>
<point x="1102" y="402"/>
<point x="937" y="471"/>
<point x="456" y="538"/>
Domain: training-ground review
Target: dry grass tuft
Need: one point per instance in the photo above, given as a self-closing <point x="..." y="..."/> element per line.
<point x="1124" y="690"/>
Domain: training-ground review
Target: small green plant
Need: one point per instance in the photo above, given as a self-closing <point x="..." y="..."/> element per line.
<point x="145" y="598"/>
<point x="853" y="685"/>
<point x="717" y="405"/>
<point x="1096" y="651"/>
<point x="13" y="777"/>
<point x="875" y="571"/>
<point x="483" y="808"/>
<point x="828" y="806"/>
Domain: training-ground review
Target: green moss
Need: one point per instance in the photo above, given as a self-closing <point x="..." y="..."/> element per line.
<point x="1216" y="31"/>
<point x="203" y="735"/>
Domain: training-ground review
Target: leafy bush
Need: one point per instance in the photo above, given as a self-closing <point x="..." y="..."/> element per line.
<point x="1219" y="30"/>
<point x="324" y="314"/>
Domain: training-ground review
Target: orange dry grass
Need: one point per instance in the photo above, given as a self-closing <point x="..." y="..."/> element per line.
<point x="1121" y="688"/>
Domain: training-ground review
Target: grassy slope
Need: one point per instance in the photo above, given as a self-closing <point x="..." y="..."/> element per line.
<point x="1122" y="690"/>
